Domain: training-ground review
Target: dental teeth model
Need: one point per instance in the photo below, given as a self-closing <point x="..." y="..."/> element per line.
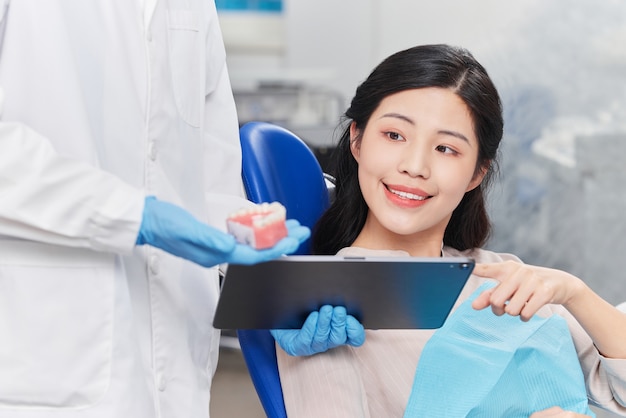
<point x="259" y="227"/>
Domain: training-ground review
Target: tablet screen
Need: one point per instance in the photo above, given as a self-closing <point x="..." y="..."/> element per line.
<point x="381" y="292"/>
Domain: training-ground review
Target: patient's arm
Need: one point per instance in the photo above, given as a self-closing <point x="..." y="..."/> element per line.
<point x="524" y="289"/>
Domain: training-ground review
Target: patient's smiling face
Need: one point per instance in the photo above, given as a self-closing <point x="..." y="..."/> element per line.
<point x="417" y="157"/>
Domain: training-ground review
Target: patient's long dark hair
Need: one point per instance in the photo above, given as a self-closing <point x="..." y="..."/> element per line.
<point x="418" y="67"/>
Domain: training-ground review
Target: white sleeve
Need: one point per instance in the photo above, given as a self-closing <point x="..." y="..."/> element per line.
<point x="49" y="198"/>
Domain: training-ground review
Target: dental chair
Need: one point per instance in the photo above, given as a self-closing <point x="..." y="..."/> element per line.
<point x="278" y="166"/>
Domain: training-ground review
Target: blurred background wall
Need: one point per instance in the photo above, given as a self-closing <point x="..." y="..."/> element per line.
<point x="560" y="68"/>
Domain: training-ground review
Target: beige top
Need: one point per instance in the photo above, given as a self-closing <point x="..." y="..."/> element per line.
<point x="375" y="380"/>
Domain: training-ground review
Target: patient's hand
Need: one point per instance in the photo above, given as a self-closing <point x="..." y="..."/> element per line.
<point x="524" y="289"/>
<point x="556" y="412"/>
<point x="323" y="330"/>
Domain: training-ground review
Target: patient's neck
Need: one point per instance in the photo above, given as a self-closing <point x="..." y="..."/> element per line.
<point x="416" y="245"/>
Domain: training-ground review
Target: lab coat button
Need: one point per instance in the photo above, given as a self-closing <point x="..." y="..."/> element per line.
<point x="161" y="383"/>
<point x="149" y="36"/>
<point x="154" y="264"/>
<point x="152" y="150"/>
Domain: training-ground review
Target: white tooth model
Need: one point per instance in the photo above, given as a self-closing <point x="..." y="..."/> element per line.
<point x="259" y="227"/>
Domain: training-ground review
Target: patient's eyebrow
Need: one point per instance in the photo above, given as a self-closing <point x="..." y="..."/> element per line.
<point x="398" y="116"/>
<point x="412" y="122"/>
<point x="455" y="134"/>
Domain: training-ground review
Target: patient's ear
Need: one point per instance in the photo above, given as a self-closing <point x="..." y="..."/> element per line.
<point x="479" y="175"/>
<point x="354" y="141"/>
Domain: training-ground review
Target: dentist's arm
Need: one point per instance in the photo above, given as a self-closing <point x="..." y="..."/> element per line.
<point x="329" y="328"/>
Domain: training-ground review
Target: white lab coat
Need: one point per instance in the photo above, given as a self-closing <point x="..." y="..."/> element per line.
<point x="103" y="102"/>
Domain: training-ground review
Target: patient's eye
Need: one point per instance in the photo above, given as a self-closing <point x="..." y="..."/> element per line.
<point x="445" y="149"/>
<point x="394" y="136"/>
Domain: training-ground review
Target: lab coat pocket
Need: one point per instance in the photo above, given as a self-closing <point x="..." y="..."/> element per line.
<point x="56" y="328"/>
<point x="186" y="52"/>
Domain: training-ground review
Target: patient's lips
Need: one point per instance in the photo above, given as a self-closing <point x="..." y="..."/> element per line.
<point x="403" y="196"/>
<point x="259" y="227"/>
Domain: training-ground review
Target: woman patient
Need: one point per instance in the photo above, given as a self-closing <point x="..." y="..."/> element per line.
<point x="412" y="166"/>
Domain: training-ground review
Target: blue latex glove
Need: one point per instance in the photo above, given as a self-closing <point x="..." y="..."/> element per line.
<point x="323" y="330"/>
<point x="173" y="229"/>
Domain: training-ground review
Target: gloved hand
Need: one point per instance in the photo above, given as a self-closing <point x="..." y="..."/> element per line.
<point x="173" y="229"/>
<point x="323" y="330"/>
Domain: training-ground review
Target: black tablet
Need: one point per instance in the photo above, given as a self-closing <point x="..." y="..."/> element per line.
<point x="381" y="292"/>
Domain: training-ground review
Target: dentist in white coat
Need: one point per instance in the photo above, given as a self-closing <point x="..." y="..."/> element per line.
<point x="103" y="104"/>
